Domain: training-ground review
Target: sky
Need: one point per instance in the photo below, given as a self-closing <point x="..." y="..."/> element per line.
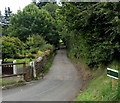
<point x="13" y="4"/>
<point x="16" y="4"/>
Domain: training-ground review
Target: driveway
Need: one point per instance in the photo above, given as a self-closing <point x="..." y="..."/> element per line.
<point x="62" y="83"/>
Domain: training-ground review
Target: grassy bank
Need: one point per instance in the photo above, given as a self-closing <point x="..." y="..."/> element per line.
<point x="27" y="60"/>
<point x="100" y="88"/>
<point x="7" y="82"/>
<point x="49" y="63"/>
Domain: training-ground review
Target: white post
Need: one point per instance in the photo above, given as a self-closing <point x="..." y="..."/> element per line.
<point x="34" y="70"/>
<point x="0" y="67"/>
<point x="14" y="68"/>
<point x="32" y="64"/>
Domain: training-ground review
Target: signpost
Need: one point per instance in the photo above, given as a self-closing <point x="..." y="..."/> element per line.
<point x="114" y="74"/>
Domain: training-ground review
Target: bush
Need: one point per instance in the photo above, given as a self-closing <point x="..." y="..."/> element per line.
<point x="34" y="43"/>
<point x="11" y="47"/>
<point x="30" y="55"/>
<point x="19" y="56"/>
<point x="47" y="52"/>
<point x="37" y="45"/>
<point x="40" y="53"/>
<point x="47" y="47"/>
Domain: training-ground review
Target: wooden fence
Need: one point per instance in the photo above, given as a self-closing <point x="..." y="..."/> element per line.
<point x="11" y="65"/>
<point x="35" y="69"/>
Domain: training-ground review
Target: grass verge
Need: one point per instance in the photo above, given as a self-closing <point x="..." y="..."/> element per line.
<point x="49" y="63"/>
<point x="100" y="88"/>
<point x="27" y="60"/>
<point x="7" y="82"/>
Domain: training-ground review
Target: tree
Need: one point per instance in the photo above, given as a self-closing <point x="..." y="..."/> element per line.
<point x="41" y="4"/>
<point x="91" y="31"/>
<point x="51" y="8"/>
<point x="35" y="43"/>
<point x="32" y="20"/>
<point x="5" y="21"/>
<point x="7" y="14"/>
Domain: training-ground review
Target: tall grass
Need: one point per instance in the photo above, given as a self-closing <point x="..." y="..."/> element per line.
<point x="100" y="88"/>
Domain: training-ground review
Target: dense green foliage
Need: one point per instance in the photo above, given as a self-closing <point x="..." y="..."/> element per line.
<point x="55" y="36"/>
<point x="11" y="47"/>
<point x="33" y="20"/>
<point x="91" y="31"/>
<point x="33" y="27"/>
<point x="36" y="43"/>
<point x="51" y="8"/>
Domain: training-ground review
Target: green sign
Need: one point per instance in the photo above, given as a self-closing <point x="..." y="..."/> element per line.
<point x="112" y="73"/>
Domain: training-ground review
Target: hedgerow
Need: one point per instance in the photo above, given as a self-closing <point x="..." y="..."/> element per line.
<point x="91" y="31"/>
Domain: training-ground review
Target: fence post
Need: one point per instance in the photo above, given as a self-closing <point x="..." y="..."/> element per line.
<point x="31" y="69"/>
<point x="34" y="69"/>
<point x="25" y="71"/>
<point x="32" y="64"/>
<point x="1" y="67"/>
<point x="14" y="68"/>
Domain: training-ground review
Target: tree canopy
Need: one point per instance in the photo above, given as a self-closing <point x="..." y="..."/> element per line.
<point x="93" y="30"/>
<point x="90" y="30"/>
<point x="30" y="21"/>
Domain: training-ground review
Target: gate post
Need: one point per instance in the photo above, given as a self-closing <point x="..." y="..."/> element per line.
<point x="14" y="68"/>
<point x="34" y="69"/>
<point x="25" y="71"/>
<point x="1" y="67"/>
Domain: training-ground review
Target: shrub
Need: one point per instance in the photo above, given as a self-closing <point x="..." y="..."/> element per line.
<point x="40" y="53"/>
<point x="34" y="43"/>
<point x="11" y="47"/>
<point x="47" y="52"/>
<point x="30" y="55"/>
<point x="47" y="47"/>
<point x="19" y="56"/>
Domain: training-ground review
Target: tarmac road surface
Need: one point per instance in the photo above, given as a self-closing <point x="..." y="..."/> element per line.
<point x="62" y="83"/>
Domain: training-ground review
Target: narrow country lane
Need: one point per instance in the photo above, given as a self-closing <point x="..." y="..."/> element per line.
<point x="62" y="83"/>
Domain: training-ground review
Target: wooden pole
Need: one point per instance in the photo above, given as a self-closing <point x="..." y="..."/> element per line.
<point x="119" y="85"/>
<point x="0" y="67"/>
<point x="113" y="82"/>
<point x="25" y="71"/>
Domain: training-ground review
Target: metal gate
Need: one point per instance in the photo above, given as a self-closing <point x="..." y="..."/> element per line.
<point x="7" y="69"/>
